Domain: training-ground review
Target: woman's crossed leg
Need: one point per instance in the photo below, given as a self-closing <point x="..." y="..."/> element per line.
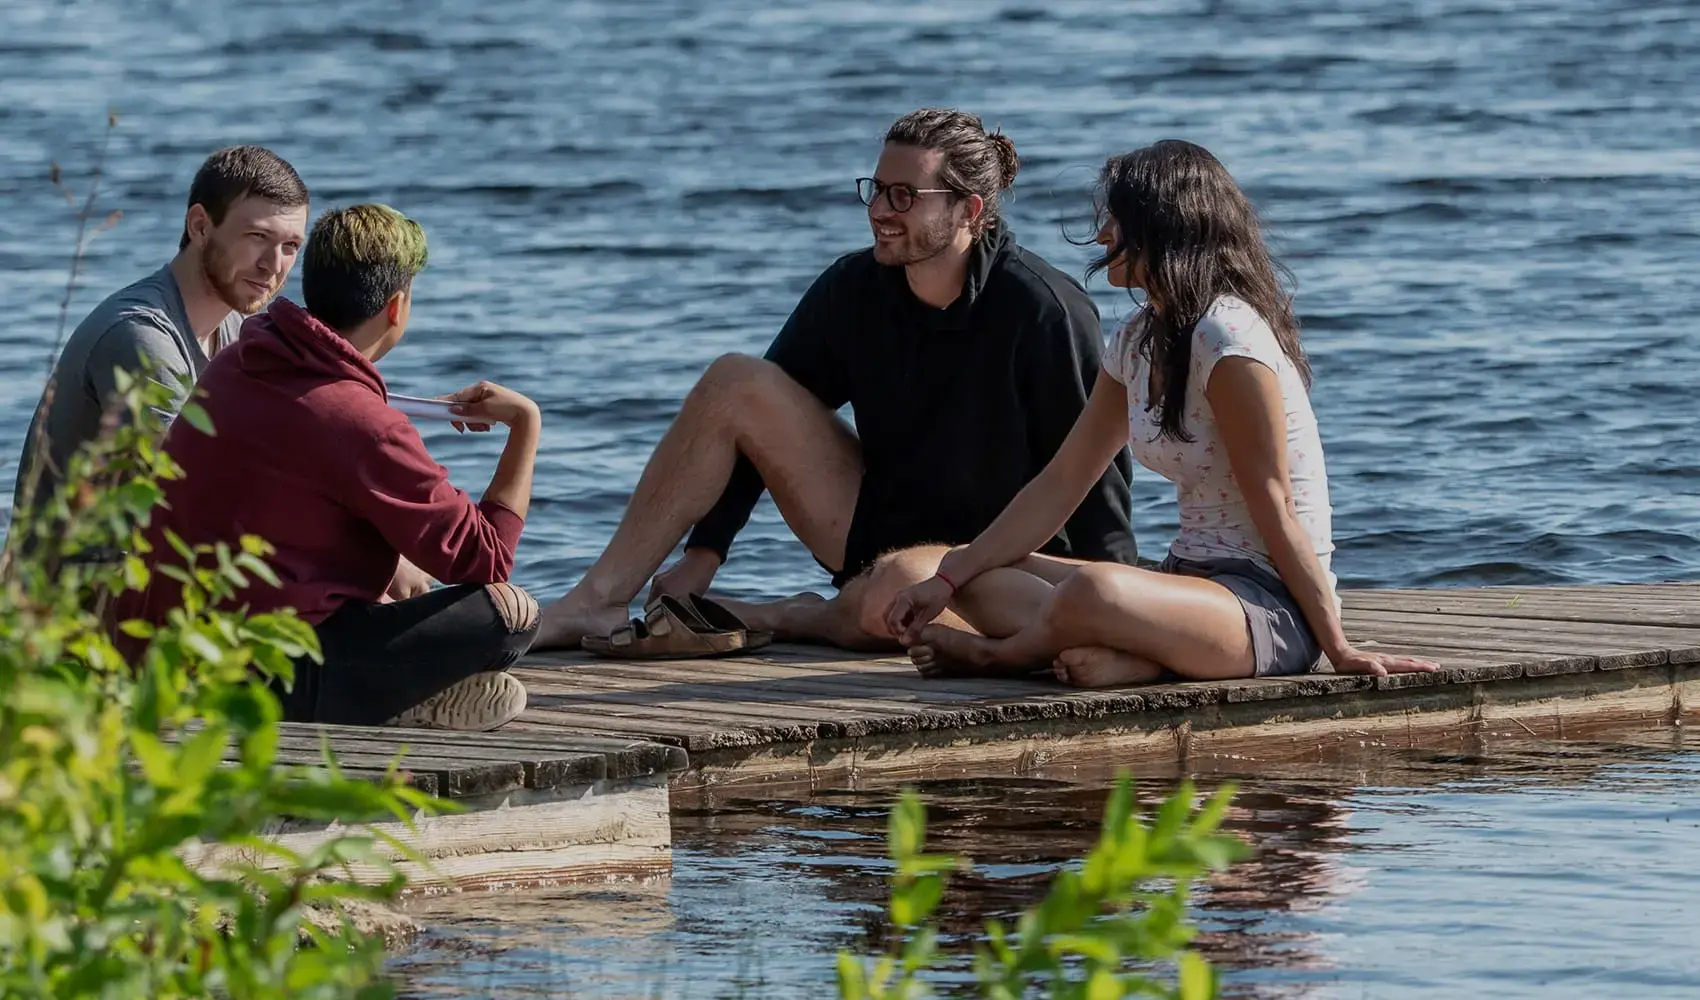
<point x="1106" y="624"/>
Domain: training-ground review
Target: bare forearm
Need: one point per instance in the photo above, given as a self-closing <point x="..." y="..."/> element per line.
<point x="1036" y="514"/>
<point x="511" y="485"/>
<point x="1044" y="505"/>
<point x="1291" y="551"/>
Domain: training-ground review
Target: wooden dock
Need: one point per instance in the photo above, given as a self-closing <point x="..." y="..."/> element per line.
<point x="538" y="808"/>
<point x="578" y="787"/>
<point x="1541" y="660"/>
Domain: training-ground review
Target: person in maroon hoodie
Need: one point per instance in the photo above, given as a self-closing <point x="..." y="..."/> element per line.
<point x="308" y="455"/>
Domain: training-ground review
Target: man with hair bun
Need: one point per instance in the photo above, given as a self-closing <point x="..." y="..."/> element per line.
<point x="307" y="454"/>
<point x="965" y="359"/>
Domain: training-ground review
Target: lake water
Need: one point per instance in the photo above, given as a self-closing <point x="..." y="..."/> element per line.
<point x="1486" y="867"/>
<point x="1490" y="208"/>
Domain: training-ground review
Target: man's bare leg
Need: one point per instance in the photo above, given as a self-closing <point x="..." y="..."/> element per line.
<point x="855" y="617"/>
<point x="810" y="460"/>
<point x="997" y="603"/>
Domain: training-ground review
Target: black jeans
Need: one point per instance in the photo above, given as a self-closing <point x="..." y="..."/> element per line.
<point x="382" y="659"/>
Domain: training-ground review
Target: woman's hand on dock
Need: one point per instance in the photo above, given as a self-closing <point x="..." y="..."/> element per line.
<point x="915" y="607"/>
<point x="1356" y="661"/>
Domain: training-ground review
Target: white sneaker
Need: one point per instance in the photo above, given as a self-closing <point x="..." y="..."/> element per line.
<point x="476" y="704"/>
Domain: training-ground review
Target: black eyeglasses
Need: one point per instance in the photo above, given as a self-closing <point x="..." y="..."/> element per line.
<point x="901" y="197"/>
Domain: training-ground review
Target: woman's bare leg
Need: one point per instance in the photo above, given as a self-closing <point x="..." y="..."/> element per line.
<point x="1193" y="627"/>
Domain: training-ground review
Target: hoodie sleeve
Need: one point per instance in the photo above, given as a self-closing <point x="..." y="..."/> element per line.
<point x="407" y="496"/>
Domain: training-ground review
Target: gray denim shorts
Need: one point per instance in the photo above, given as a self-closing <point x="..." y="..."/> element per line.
<point x="1281" y="641"/>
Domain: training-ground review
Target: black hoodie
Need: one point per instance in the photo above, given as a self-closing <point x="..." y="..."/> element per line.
<point x="957" y="408"/>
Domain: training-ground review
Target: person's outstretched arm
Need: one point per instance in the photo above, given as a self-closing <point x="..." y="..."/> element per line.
<point x="1245" y="397"/>
<point x="490" y="403"/>
<point x="408" y="498"/>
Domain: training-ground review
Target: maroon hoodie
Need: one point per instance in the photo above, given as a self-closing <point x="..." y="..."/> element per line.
<point x="308" y="455"/>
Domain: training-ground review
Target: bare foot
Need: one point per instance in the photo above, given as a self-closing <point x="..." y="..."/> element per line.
<point x="563" y="625"/>
<point x="949" y="652"/>
<point x="1099" y="666"/>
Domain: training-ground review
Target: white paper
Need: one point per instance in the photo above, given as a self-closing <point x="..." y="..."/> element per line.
<point x="417" y="408"/>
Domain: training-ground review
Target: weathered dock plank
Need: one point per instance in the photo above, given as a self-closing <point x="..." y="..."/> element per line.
<point x="537" y="807"/>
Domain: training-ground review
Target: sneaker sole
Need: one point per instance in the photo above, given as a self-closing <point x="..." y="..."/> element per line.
<point x="476" y="704"/>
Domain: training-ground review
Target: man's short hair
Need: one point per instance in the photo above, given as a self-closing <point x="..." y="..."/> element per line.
<point x="238" y="172"/>
<point x="357" y="257"/>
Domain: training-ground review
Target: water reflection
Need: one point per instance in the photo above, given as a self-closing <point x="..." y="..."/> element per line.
<point x="1367" y="861"/>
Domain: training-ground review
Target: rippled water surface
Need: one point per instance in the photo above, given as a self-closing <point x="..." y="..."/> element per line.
<point x="1503" y="868"/>
<point x="1490" y="208"/>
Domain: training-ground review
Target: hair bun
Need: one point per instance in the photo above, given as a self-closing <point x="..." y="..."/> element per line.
<point x="1007" y="159"/>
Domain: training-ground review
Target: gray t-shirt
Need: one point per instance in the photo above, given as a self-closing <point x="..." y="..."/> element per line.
<point x="141" y="328"/>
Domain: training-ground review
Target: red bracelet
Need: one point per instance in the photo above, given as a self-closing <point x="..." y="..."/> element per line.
<point x="953" y="587"/>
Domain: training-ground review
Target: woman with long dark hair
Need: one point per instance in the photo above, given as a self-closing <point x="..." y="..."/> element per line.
<point x="1209" y="385"/>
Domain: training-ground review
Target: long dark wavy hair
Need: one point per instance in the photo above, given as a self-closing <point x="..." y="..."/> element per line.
<point x="1179" y="212"/>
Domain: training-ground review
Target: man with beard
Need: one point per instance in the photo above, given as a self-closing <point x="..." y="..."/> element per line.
<point x="246" y="221"/>
<point x="965" y="359"/>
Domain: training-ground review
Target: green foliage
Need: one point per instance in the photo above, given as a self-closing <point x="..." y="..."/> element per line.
<point x="1099" y="928"/>
<point x="136" y="783"/>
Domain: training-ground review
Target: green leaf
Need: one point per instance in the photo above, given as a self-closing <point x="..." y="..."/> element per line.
<point x="181" y="547"/>
<point x="158" y="764"/>
<point x="136" y="573"/>
<point x="201" y="753"/>
<point x="1104" y="986"/>
<point x="1197" y="978"/>
<point x="201" y="647"/>
<point x="852" y="977"/>
<point x="1119" y="809"/>
<point x="1210" y="817"/>
<point x="1217" y="853"/>
<point x="1171" y="817"/>
<point x="1088" y="946"/>
<point x="135" y="628"/>
<point x="257" y="566"/>
<point x="928" y="892"/>
<point x="197" y="417"/>
<point x="907" y="827"/>
<point x="919" y="953"/>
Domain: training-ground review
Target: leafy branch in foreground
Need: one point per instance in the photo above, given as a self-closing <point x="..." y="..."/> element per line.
<point x="1097" y="932"/>
<point x="138" y="766"/>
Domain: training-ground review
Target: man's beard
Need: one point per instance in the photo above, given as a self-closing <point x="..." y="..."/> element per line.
<point x="918" y="245"/>
<point x="227" y="285"/>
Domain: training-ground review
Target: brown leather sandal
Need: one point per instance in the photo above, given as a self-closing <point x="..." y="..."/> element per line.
<point x="717" y="617"/>
<point x="670" y="629"/>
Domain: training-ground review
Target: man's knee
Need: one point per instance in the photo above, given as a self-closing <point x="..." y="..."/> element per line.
<point x="737" y="379"/>
<point x="516" y="608"/>
<point x="891" y="573"/>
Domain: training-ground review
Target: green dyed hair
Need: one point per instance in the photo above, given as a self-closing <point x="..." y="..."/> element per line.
<point x="357" y="257"/>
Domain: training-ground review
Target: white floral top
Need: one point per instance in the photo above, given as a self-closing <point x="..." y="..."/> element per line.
<point x="1215" y="523"/>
